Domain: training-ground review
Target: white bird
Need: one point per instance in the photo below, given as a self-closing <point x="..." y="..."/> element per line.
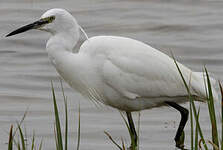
<point x="117" y="71"/>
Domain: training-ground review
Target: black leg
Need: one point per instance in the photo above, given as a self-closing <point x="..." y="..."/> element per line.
<point x="132" y="128"/>
<point x="184" y="117"/>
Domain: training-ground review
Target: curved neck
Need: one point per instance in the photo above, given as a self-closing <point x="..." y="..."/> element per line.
<point x="63" y="40"/>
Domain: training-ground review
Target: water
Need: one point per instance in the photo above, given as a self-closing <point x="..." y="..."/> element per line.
<point x="192" y="30"/>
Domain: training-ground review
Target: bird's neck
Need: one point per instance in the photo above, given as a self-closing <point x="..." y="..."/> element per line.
<point x="63" y="40"/>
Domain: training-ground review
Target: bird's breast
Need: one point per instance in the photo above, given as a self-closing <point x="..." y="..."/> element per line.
<point x="79" y="71"/>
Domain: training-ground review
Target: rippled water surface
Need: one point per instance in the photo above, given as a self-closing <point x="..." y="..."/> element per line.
<point x="192" y="30"/>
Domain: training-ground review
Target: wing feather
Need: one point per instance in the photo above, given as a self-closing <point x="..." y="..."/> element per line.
<point x="135" y="69"/>
<point x="138" y="70"/>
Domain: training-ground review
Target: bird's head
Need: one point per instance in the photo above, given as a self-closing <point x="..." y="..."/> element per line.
<point x="53" y="21"/>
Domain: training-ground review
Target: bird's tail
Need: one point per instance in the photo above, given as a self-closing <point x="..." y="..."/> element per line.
<point x="200" y="86"/>
<point x="203" y="92"/>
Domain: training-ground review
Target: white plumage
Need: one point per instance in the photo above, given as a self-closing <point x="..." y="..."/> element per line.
<point x="120" y="72"/>
<point x="125" y="73"/>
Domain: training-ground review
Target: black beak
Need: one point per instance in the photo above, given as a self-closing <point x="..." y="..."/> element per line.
<point x="34" y="25"/>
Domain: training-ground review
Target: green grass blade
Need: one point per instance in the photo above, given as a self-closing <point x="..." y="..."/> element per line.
<point x="185" y="83"/>
<point x="221" y="115"/>
<point x="66" y="125"/>
<point x="57" y="121"/>
<point x="66" y="116"/>
<point x="22" y="138"/>
<point x="191" y="126"/>
<point x="139" y="114"/>
<point x="79" y="128"/>
<point x="214" y="146"/>
<point x="193" y="105"/>
<point x="127" y="125"/>
<point x="196" y="132"/>
<point x="33" y="141"/>
<point x="199" y="128"/>
<point x="14" y="133"/>
<point x="212" y="112"/>
<point x="15" y="142"/>
<point x="41" y="144"/>
<point x="123" y="144"/>
<point x="134" y="145"/>
<point x="55" y="137"/>
<point x="18" y="145"/>
<point x="20" y="123"/>
<point x="113" y="141"/>
<point x="10" y="143"/>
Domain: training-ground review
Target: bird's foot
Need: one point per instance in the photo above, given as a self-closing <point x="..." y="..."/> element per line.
<point x="132" y="148"/>
<point x="181" y="147"/>
<point x="180" y="142"/>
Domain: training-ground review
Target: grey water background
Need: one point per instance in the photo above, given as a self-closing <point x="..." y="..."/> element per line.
<point x="192" y="30"/>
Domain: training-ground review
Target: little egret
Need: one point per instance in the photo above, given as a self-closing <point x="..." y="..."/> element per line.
<point x="117" y="71"/>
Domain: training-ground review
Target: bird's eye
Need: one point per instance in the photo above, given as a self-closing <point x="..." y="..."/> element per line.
<point x="51" y="19"/>
<point x="48" y="19"/>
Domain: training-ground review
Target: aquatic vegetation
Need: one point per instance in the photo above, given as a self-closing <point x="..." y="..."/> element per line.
<point x="194" y="114"/>
<point x="134" y="146"/>
<point x="21" y="142"/>
<point x="198" y="140"/>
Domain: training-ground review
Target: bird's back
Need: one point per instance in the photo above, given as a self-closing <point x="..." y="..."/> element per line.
<point x="137" y="71"/>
